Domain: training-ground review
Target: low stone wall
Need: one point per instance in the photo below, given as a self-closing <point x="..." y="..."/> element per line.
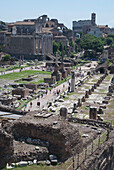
<point x="62" y="138"/>
<point x="11" y="110"/>
<point x="91" y="122"/>
<point x="31" y="86"/>
<point x="51" y="80"/>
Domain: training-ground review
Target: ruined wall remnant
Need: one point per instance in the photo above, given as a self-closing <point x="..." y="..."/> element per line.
<point x="24" y="92"/>
<point x="6" y="148"/>
<point x="62" y="136"/>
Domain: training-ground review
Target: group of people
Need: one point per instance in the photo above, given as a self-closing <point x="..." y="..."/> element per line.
<point x="53" y="91"/>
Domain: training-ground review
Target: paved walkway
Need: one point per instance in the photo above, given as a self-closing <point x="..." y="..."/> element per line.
<point x="49" y="97"/>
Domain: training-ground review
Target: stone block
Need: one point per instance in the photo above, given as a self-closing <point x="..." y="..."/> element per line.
<point x="105" y="101"/>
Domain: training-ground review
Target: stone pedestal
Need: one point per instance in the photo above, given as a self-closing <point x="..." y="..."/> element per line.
<point x="110" y="89"/>
<point x="74" y="107"/>
<point x="93" y="113"/>
<point x="73" y="82"/>
<point x="100" y="111"/>
<point x="95" y="86"/>
<point x="89" y="91"/>
<point x="92" y="89"/>
<point x="86" y="94"/>
<point x="79" y="103"/>
<point x="83" y="99"/>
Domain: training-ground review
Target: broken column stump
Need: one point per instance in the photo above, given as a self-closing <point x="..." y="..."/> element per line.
<point x="63" y="112"/>
<point x="93" y="113"/>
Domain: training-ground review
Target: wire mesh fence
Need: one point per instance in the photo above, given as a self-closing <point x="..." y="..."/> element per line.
<point x="78" y="159"/>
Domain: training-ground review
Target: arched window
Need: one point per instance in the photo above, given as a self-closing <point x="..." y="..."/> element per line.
<point x="47" y="25"/>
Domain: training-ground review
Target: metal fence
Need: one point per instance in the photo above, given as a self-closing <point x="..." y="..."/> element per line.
<point x="78" y="159"/>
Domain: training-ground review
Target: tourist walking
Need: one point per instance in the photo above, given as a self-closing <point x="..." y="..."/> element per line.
<point x="30" y="104"/>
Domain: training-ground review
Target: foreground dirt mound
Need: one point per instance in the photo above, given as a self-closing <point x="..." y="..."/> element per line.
<point x="61" y="136"/>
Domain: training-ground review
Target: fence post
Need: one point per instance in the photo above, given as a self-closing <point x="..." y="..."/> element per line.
<point x="107" y="137"/>
<point x="99" y="141"/>
<point x="92" y="147"/>
<point x="78" y="160"/>
<point x="85" y="152"/>
<point x="73" y="161"/>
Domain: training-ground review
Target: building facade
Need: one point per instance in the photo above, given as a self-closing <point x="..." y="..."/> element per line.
<point x="83" y="26"/>
<point x="27" y="38"/>
<point x="95" y="31"/>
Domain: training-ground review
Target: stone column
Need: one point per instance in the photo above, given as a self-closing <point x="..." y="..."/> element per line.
<point x="73" y="82"/>
<point x="34" y="44"/>
<point x="43" y="50"/>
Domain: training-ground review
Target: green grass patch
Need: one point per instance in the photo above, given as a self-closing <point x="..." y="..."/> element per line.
<point x="66" y="98"/>
<point x="108" y="78"/>
<point x="63" y="165"/>
<point x="111" y="106"/>
<point x="102" y="91"/>
<point x="111" y="101"/>
<point x="23" y="74"/>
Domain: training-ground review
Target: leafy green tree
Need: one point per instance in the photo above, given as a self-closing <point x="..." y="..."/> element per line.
<point x="72" y="55"/>
<point x="91" y="43"/>
<point x="71" y="44"/>
<point x="55" y="47"/>
<point x="109" y="40"/>
<point x="111" y="35"/>
<point x="7" y="57"/>
<point x="76" y="47"/>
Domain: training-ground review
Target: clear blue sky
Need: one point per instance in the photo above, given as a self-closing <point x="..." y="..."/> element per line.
<point x="65" y="11"/>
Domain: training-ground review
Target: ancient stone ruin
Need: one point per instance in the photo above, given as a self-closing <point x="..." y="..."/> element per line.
<point x="6" y="148"/>
<point x="60" y="135"/>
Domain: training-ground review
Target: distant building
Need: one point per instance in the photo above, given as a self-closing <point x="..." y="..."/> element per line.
<point x="104" y="29"/>
<point x="34" y="37"/>
<point x="27" y="38"/>
<point x="2" y="37"/>
<point x="105" y="53"/>
<point x="83" y="26"/>
<point x="95" y="31"/>
<point x="111" y="31"/>
<point x="62" y="39"/>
